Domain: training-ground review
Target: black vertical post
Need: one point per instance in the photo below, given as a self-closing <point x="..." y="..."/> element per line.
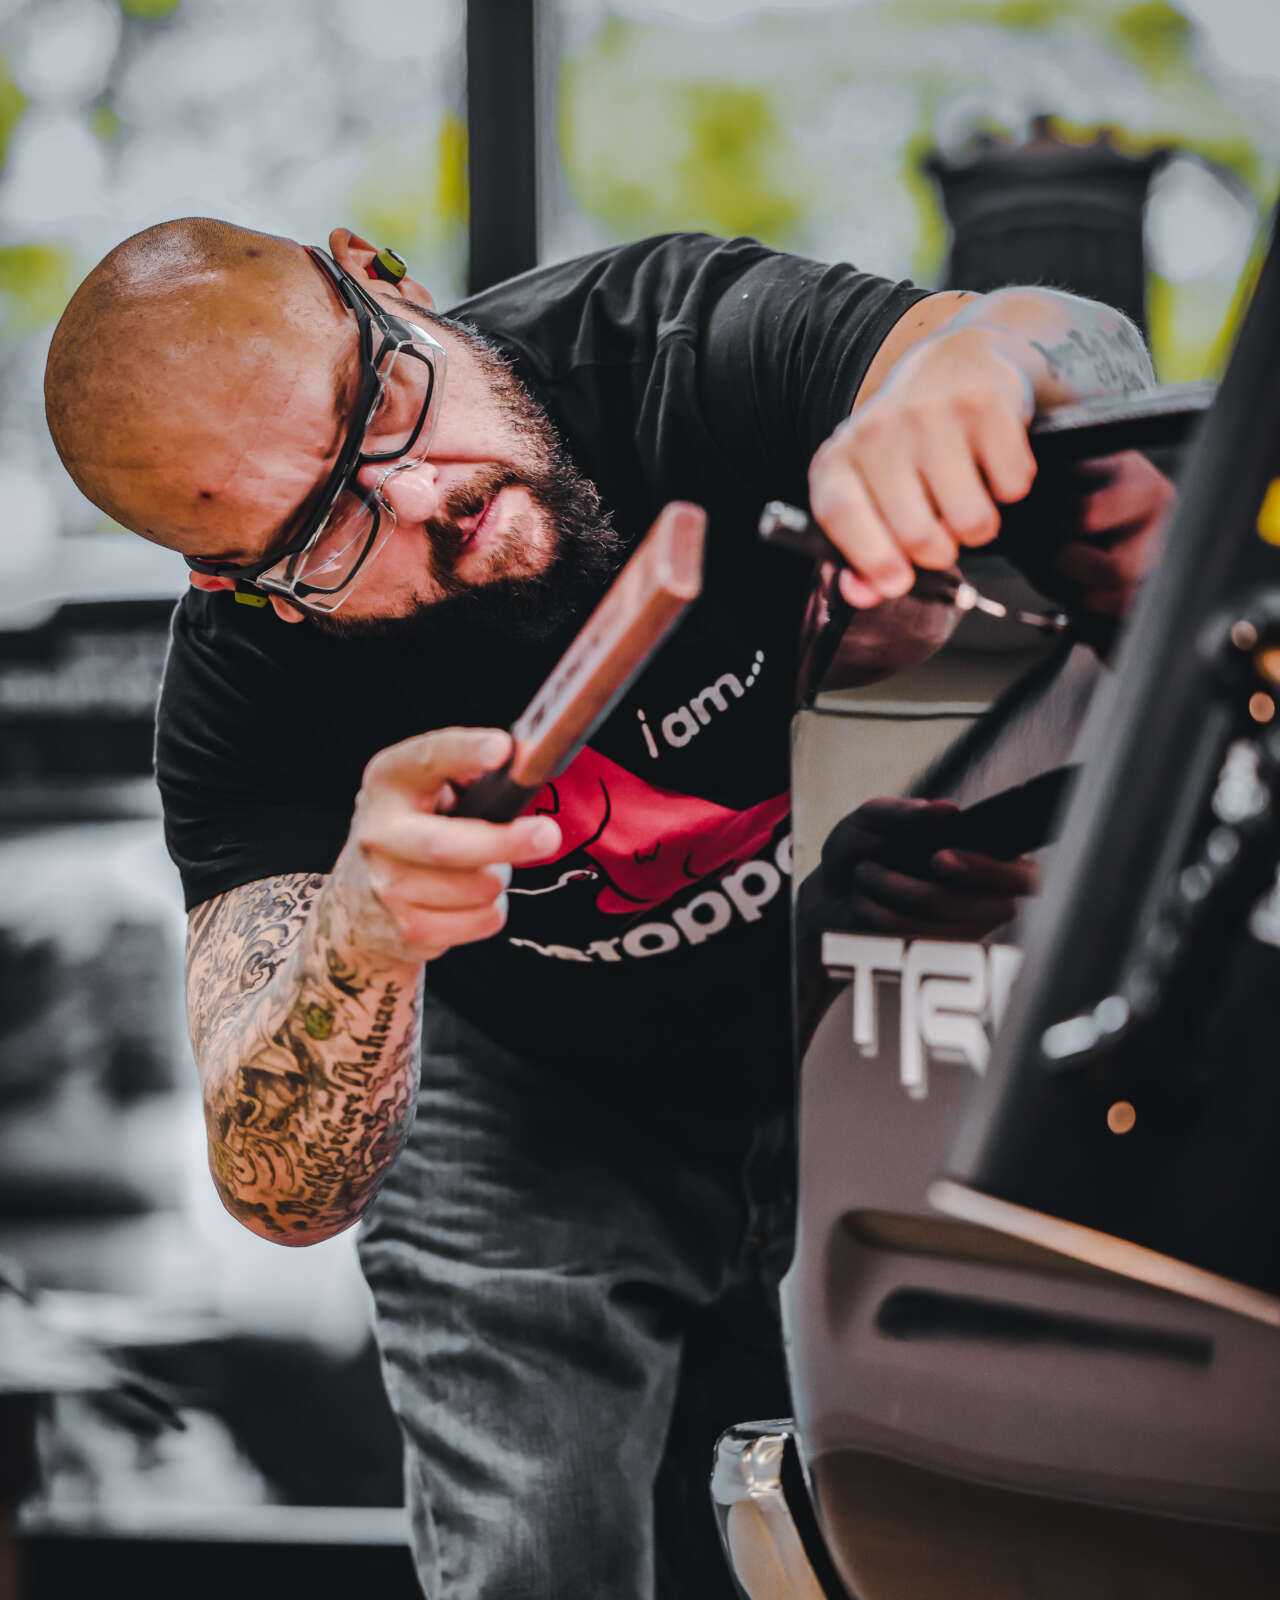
<point x="502" y="139"/>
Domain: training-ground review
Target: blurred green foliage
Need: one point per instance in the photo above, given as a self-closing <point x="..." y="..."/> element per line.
<point x="12" y="104"/>
<point x="768" y="126"/>
<point x="417" y="207"/>
<point x="734" y="139"/>
<point x="453" y="193"/>
<point x="105" y="122"/>
<point x="1018" y="13"/>
<point x="285" y="116"/>
<point x="933" y="235"/>
<point x="149" y="10"/>
<point x="35" y="284"/>
<point x="1155" y="35"/>
<point x="685" y="153"/>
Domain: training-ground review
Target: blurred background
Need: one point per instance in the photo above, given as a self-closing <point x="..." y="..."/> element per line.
<point x="1126" y="150"/>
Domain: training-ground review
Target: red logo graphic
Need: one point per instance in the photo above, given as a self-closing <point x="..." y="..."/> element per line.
<point x="646" y="843"/>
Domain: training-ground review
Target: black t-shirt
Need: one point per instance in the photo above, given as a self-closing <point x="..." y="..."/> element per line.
<point x="655" y="945"/>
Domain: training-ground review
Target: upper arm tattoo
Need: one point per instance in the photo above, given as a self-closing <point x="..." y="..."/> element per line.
<point x="309" y="1084"/>
<point x="238" y="941"/>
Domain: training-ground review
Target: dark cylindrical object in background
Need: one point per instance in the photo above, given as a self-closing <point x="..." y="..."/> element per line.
<point x="1069" y="216"/>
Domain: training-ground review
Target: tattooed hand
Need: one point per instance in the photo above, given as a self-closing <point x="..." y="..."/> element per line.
<point x="416" y="881"/>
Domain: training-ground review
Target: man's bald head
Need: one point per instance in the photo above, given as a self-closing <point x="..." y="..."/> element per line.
<point x="172" y="369"/>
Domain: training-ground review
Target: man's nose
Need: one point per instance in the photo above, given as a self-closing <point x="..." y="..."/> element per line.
<point x="413" y="492"/>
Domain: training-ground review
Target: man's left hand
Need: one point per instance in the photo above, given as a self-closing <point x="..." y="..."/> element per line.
<point x="919" y="471"/>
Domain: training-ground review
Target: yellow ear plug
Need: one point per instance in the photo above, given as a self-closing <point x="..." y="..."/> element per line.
<point x="388" y="266"/>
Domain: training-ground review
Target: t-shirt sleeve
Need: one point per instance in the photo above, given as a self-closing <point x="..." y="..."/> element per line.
<point x="782" y="351"/>
<point x="683" y="362"/>
<point x="232" y="753"/>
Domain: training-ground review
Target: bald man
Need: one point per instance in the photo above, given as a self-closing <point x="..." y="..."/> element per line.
<point x="574" y="1251"/>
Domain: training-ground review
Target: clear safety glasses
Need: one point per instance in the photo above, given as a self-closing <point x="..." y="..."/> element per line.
<point x="401" y="380"/>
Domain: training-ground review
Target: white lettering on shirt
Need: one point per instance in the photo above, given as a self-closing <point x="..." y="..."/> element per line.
<point x="678" y="727"/>
<point x="747" y="890"/>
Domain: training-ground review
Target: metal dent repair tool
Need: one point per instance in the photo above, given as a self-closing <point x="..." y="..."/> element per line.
<point x="794" y="529"/>
<point x="643" y="604"/>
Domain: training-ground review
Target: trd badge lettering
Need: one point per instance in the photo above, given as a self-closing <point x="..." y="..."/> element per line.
<point x="953" y="997"/>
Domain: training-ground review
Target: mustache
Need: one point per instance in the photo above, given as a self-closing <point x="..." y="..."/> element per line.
<point x="445" y="535"/>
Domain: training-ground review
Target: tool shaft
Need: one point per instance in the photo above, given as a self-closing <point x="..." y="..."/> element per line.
<point x="645" y="601"/>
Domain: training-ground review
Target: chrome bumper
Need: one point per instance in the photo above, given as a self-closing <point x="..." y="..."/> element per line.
<point x="766" y="1524"/>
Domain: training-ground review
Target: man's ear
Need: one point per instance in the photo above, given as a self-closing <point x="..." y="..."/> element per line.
<point x="349" y="250"/>
<point x="211" y="585"/>
<point x="284" y="610"/>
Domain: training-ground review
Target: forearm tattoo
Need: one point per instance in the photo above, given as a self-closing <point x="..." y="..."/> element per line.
<point x="1111" y="360"/>
<point x="309" y="1058"/>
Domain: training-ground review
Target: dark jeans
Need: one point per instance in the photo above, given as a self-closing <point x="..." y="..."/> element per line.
<point x="571" y="1305"/>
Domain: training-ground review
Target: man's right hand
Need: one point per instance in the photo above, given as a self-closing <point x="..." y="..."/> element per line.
<point x="416" y="881"/>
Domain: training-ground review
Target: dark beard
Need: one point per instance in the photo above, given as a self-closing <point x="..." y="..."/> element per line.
<point x="588" y="551"/>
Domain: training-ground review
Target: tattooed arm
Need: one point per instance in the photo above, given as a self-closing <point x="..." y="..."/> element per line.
<point x="1067" y="347"/>
<point x="308" y="1055"/>
<point x="304" y="992"/>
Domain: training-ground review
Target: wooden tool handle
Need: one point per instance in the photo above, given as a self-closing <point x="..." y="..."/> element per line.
<point x="643" y="604"/>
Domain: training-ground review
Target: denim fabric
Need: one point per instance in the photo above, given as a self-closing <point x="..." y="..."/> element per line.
<point x="571" y="1305"/>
